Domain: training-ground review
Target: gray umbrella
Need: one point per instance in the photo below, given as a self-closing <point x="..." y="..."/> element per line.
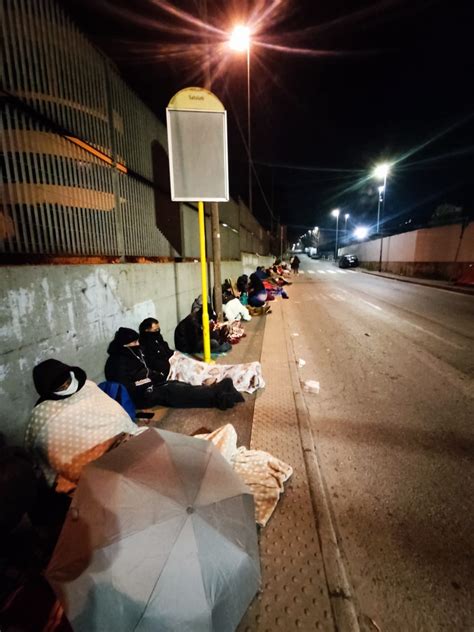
<point x="160" y="536"/>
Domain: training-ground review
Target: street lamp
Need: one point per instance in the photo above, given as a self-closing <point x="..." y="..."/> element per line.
<point x="335" y="214"/>
<point x="361" y="232"/>
<point x="240" y="42"/>
<point x="346" y="217"/>
<point x="381" y="172"/>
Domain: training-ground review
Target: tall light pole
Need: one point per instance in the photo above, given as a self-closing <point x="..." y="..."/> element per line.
<point x="381" y="192"/>
<point x="335" y="214"/>
<point x="240" y="41"/>
<point x="346" y="217"/>
<point x="214" y="207"/>
<point x="381" y="172"/>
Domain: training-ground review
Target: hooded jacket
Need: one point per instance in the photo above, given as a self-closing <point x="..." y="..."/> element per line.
<point x="49" y="375"/>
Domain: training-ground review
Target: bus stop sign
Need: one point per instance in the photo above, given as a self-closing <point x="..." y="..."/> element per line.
<point x="197" y="145"/>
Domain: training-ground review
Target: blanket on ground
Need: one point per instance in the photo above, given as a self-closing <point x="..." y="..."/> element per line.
<point x="246" y="377"/>
<point x="263" y="473"/>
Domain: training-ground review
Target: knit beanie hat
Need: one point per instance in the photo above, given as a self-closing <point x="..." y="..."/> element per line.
<point x="125" y="336"/>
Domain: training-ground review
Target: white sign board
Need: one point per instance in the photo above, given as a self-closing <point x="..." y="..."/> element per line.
<point x="197" y="146"/>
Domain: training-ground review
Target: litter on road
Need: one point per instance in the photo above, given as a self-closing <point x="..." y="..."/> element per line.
<point x="311" y="386"/>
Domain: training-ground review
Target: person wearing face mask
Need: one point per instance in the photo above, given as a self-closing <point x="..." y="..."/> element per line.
<point x="73" y="422"/>
<point x="155" y="349"/>
<point x="148" y="386"/>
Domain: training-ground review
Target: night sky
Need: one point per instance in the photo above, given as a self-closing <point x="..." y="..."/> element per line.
<point x="350" y="83"/>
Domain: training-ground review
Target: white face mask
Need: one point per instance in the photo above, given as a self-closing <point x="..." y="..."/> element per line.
<point x="71" y="389"/>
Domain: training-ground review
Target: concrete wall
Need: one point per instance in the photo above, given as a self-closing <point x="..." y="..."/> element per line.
<point x="439" y="252"/>
<point x="71" y="313"/>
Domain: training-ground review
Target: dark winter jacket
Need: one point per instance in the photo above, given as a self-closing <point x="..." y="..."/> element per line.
<point x="188" y="334"/>
<point x="156" y="351"/>
<point x="255" y="284"/>
<point x="127" y="366"/>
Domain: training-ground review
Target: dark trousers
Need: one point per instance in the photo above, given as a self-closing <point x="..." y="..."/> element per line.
<point x="176" y="394"/>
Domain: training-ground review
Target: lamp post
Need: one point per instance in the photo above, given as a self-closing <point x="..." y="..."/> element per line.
<point x="381" y="172"/>
<point x="346" y="217"/>
<point x="240" y="41"/>
<point x="335" y="214"/>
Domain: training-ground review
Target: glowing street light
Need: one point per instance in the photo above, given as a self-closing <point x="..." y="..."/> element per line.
<point x="240" y="40"/>
<point x="335" y="213"/>
<point x="361" y="232"/>
<point x="381" y="171"/>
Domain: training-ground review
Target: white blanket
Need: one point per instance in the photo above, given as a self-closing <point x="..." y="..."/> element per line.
<point x="262" y="472"/>
<point x="234" y="310"/>
<point x="246" y="377"/>
<point x="64" y="435"/>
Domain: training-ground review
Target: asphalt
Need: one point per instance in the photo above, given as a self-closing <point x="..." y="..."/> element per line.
<point x="388" y="449"/>
<point x="392" y="426"/>
<point x="452" y="286"/>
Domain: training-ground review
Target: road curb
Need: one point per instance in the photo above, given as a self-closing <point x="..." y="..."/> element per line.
<point x="341" y="594"/>
<point x="458" y="290"/>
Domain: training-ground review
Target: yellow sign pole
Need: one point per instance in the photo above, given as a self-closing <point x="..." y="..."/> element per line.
<point x="205" y="314"/>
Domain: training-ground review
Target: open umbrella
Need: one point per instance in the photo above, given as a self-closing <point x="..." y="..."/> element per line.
<point x="161" y="536"/>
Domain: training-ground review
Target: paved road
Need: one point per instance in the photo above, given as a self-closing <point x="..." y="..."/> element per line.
<point x="393" y="424"/>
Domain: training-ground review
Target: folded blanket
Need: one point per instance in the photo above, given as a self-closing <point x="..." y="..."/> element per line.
<point x="263" y="473"/>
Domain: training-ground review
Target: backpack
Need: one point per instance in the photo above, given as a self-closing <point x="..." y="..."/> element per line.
<point x="119" y="393"/>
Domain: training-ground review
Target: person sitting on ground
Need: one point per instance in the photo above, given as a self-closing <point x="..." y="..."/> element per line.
<point x="243" y="283"/>
<point x="127" y="365"/>
<point x="245" y="377"/>
<point x="243" y="289"/>
<point x="261" y="273"/>
<point x="231" y="306"/>
<point x="257" y="292"/>
<point x="156" y="350"/>
<point x="73" y="423"/>
<point x="188" y="336"/>
<point x="276" y="274"/>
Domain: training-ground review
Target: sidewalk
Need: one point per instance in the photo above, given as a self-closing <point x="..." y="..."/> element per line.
<point x="436" y="283"/>
<point x="295" y="592"/>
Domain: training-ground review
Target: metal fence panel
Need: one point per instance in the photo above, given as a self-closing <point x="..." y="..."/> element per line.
<point x="77" y="143"/>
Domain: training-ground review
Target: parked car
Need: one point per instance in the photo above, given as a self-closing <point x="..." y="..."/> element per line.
<point x="348" y="261"/>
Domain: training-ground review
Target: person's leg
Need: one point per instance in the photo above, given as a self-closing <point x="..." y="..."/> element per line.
<point x="180" y="395"/>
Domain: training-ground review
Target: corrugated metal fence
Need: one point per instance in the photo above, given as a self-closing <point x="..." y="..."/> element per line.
<point x="76" y="141"/>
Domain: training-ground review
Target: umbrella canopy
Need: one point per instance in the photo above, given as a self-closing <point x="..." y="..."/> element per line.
<point x="160" y="535"/>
